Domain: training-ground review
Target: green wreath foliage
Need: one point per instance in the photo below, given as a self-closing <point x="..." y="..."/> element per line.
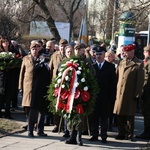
<point x="87" y="88"/>
<point x="8" y="60"/>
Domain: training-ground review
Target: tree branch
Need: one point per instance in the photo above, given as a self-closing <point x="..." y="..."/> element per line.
<point x="33" y="19"/>
<point x="78" y="3"/>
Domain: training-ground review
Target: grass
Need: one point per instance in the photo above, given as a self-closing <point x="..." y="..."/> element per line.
<point x="8" y="126"/>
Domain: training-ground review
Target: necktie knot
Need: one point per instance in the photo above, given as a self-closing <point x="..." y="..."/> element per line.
<point x="99" y="65"/>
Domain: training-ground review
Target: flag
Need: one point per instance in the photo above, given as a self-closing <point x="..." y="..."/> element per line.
<point x="83" y="36"/>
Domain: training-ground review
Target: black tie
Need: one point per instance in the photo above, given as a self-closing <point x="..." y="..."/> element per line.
<point x="99" y="65"/>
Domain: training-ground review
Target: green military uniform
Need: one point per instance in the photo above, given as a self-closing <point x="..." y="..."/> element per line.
<point x="145" y="101"/>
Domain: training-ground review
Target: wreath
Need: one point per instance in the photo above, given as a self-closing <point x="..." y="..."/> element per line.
<point x="9" y="60"/>
<point x="73" y="92"/>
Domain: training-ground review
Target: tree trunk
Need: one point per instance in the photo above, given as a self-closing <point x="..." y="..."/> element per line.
<point x="50" y="21"/>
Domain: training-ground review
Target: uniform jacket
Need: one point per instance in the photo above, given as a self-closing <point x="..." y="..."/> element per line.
<point x="106" y="77"/>
<point x="26" y="78"/>
<point x="129" y="86"/>
<point x="55" y="61"/>
<point x="146" y="90"/>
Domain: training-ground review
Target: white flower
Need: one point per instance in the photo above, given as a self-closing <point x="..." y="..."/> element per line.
<point x="85" y="88"/>
<point x="76" y="84"/>
<point x="59" y="74"/>
<point x="79" y="68"/>
<point x="10" y="53"/>
<point x="62" y="65"/>
<point x="66" y="78"/>
<point x="78" y="72"/>
<point x="56" y="85"/>
<point x="75" y="61"/>
<point x="61" y="69"/>
<point x="59" y="80"/>
<point x="63" y="86"/>
<point x="3" y="53"/>
<point x="83" y="80"/>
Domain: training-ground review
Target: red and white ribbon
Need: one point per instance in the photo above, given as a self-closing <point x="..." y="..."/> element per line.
<point x="70" y="100"/>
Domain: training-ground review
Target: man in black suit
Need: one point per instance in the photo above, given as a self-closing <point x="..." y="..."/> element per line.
<point x="106" y="78"/>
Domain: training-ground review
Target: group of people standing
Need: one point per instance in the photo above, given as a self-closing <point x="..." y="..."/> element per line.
<point x="9" y="77"/>
<point x="120" y="80"/>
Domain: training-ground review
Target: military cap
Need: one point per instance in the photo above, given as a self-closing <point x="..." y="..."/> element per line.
<point x="129" y="47"/>
<point x="33" y="44"/>
<point x="99" y="49"/>
<point x="63" y="41"/>
<point x="147" y="48"/>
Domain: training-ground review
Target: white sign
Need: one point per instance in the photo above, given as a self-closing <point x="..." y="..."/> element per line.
<point x="40" y="28"/>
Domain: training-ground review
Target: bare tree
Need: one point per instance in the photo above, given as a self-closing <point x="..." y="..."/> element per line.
<point x="8" y="27"/>
<point x="52" y="11"/>
<point x="69" y="8"/>
<point x="141" y="10"/>
<point x="8" y="23"/>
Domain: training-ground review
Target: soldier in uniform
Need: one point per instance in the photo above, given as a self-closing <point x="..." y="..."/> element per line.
<point x="145" y="102"/>
<point x="130" y="75"/>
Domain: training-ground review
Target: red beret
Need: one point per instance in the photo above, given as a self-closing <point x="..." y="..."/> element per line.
<point x="129" y="47"/>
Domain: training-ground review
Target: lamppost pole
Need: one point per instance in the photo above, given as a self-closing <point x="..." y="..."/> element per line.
<point x="113" y="21"/>
<point x="148" y="36"/>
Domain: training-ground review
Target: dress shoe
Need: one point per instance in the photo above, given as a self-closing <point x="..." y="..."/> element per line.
<point x="66" y="135"/>
<point x="25" y="127"/>
<point x="30" y="134"/>
<point x="41" y="134"/>
<point x="55" y="130"/>
<point x="120" y="137"/>
<point x="104" y="140"/>
<point x="71" y="142"/>
<point x="93" y="138"/>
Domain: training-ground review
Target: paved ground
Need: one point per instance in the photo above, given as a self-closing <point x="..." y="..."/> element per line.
<point x="55" y="141"/>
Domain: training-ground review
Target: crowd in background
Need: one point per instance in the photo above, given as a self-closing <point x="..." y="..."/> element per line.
<point x="123" y="82"/>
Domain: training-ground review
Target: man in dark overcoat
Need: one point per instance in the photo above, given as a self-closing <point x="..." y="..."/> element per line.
<point x="41" y="80"/>
<point x="106" y="78"/>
